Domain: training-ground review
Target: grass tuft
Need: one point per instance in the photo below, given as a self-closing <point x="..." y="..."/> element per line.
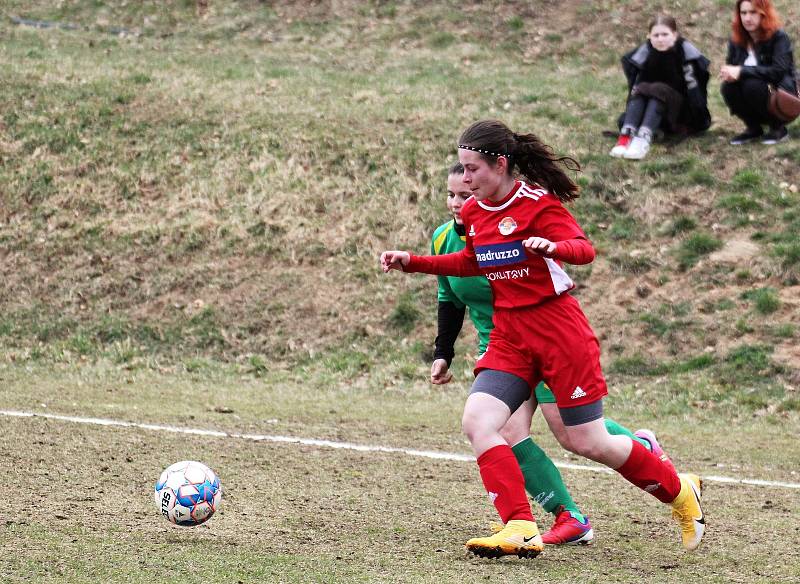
<point x="695" y="247"/>
<point x="749" y="365"/>
<point x="765" y="300"/>
<point x="405" y="314"/>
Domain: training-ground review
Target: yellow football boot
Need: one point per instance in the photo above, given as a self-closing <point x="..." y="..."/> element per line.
<point x="518" y="538"/>
<point x="686" y="509"/>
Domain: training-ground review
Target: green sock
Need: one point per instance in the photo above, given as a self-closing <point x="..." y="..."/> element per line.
<point x="618" y="430"/>
<point x="543" y="480"/>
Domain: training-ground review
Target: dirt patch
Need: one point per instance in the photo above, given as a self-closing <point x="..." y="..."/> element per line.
<point x="736" y="251"/>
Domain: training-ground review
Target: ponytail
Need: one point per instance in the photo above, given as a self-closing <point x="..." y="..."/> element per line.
<point x="538" y="164"/>
<point x="535" y="160"/>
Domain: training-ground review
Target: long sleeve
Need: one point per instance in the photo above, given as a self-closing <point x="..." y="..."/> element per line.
<point x="559" y="226"/>
<point x="450" y="319"/>
<point x="460" y="264"/>
<point x="577" y="251"/>
<point x="729" y="56"/>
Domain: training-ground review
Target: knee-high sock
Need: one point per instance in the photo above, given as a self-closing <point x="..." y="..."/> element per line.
<point x="645" y="470"/>
<point x="542" y="479"/>
<point x="616" y="429"/>
<point x="504" y="483"/>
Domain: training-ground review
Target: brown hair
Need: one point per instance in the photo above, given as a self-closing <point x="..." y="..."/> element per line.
<point x="456" y="169"/>
<point x="770" y="21"/>
<point x="534" y="159"/>
<point x="664" y="20"/>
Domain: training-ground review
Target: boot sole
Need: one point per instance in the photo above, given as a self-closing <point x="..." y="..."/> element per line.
<point x="497" y="552"/>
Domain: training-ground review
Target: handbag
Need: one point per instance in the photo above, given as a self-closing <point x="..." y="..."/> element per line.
<point x="782" y="105"/>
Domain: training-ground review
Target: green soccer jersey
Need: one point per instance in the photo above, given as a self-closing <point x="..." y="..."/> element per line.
<point x="473" y="292"/>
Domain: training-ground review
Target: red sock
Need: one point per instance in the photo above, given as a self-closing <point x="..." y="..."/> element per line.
<point x="645" y="470"/>
<point x="504" y="483"/>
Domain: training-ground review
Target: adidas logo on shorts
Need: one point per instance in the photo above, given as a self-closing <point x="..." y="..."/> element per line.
<point x="578" y="393"/>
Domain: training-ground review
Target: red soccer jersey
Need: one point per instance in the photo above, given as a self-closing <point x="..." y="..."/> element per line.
<point x="495" y="232"/>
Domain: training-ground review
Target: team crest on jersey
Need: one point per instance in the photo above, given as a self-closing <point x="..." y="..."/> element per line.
<point x="507" y="226"/>
<point x="472" y="230"/>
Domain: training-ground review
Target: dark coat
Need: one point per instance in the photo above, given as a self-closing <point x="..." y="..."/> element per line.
<point x="776" y="58"/>
<point x="694" y="115"/>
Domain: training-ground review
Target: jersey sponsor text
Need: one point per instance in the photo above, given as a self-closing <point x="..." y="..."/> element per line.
<point x="508" y="274"/>
<point x="499" y="254"/>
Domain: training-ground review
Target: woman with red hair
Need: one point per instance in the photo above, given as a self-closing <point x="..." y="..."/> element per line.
<point x="759" y="55"/>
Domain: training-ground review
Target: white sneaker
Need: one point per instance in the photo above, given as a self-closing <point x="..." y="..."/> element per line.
<point x="638" y="148"/>
<point x="618" y="151"/>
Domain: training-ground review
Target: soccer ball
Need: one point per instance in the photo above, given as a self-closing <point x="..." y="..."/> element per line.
<point x="188" y="493"/>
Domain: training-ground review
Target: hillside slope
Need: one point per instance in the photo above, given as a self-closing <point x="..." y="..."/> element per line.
<point x="218" y="183"/>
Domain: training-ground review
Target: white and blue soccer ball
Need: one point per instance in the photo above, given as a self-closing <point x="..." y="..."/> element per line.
<point x="188" y="493"/>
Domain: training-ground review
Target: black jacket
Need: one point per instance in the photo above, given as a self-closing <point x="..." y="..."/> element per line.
<point x="694" y="114"/>
<point x="775" y="58"/>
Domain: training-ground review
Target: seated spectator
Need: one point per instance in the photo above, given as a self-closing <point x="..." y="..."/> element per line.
<point x="759" y="55"/>
<point x="667" y="90"/>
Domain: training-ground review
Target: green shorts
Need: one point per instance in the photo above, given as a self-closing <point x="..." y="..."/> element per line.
<point x="543" y="394"/>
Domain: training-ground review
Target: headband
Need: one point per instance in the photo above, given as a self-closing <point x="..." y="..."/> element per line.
<point x="482" y="151"/>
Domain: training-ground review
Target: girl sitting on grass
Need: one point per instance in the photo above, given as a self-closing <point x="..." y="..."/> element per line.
<point x="667" y="90"/>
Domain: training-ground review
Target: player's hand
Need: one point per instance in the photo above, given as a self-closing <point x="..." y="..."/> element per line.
<point x="440" y="372"/>
<point x="394" y="260"/>
<point x="540" y="246"/>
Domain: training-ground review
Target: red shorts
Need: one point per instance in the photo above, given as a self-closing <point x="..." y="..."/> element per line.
<point x="550" y="342"/>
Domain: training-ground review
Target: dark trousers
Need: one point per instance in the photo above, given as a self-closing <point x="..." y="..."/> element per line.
<point x="747" y="99"/>
<point x="644" y="112"/>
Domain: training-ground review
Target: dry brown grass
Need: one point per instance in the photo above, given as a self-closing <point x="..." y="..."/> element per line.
<point x="257" y="163"/>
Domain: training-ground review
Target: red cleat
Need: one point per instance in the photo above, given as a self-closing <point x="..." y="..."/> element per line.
<point x="567" y="530"/>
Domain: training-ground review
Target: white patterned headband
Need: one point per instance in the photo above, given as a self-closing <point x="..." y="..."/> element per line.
<point x="482" y="151"/>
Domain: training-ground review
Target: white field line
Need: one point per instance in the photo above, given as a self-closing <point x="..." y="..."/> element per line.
<point x="344" y="445"/>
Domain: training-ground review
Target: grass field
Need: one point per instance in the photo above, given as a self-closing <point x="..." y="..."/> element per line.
<point x="80" y="507"/>
<point x="190" y="215"/>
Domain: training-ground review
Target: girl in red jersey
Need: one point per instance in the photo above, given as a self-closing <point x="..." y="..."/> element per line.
<point x="518" y="235"/>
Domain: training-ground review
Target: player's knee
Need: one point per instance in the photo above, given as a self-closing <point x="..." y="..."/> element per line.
<point x="564" y="441"/>
<point x="470" y="426"/>
<point x="583" y="446"/>
<point x="588" y="449"/>
<point x="509" y="436"/>
<point x="514" y="431"/>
